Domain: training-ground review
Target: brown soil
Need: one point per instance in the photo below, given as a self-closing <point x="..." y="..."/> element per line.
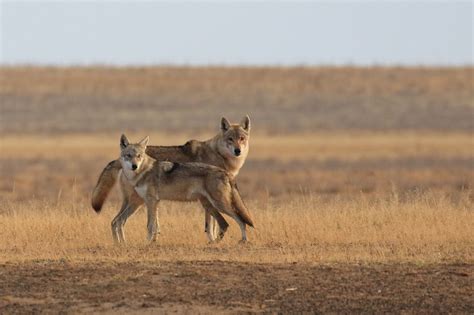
<point x="203" y="287"/>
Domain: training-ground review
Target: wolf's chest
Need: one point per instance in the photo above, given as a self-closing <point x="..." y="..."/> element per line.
<point x="142" y="190"/>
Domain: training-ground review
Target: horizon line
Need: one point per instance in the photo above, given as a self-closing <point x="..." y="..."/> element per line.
<point x="233" y="65"/>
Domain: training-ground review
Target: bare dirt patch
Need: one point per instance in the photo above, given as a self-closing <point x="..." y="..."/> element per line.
<point x="190" y="287"/>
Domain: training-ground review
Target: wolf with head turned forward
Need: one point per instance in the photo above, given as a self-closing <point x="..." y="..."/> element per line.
<point x="227" y="150"/>
<point x="163" y="180"/>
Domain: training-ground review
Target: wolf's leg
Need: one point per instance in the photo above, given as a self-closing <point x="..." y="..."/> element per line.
<point x="131" y="202"/>
<point x="115" y="221"/>
<point x="220" y="203"/>
<point x="243" y="230"/>
<point x="220" y="224"/>
<point x="153" y="224"/>
<point x="216" y="229"/>
<point x="207" y="220"/>
<point x="133" y="205"/>
<point x="211" y="212"/>
<point x="213" y="229"/>
<point x="209" y="226"/>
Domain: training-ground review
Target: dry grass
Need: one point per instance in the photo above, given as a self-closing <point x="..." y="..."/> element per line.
<point x="424" y="228"/>
<point x="279" y="100"/>
<point x="346" y="164"/>
<point x="332" y="197"/>
<point x="325" y="163"/>
<point x="350" y="146"/>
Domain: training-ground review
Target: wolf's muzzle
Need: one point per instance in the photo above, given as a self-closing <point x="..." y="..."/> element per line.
<point x="237" y="152"/>
<point x="134" y="166"/>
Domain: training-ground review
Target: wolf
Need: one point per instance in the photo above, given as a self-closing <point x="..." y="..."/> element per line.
<point x="227" y="150"/>
<point x="164" y="180"/>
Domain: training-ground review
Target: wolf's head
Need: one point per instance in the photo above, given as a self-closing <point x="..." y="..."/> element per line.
<point x="132" y="155"/>
<point x="235" y="137"/>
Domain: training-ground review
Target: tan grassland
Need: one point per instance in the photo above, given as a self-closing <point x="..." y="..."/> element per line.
<point x="46" y="214"/>
<point x="427" y="228"/>
<point x="360" y="181"/>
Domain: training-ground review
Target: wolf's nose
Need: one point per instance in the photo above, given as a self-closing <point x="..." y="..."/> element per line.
<point x="134" y="166"/>
<point x="237" y="152"/>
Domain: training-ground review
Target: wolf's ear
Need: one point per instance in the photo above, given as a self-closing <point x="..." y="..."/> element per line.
<point x="144" y="142"/>
<point x="225" y="124"/>
<point x="124" y="142"/>
<point x="245" y="123"/>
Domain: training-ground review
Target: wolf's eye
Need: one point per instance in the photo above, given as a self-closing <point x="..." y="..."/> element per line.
<point x="242" y="138"/>
<point x="129" y="156"/>
<point x="139" y="156"/>
<point x="230" y="139"/>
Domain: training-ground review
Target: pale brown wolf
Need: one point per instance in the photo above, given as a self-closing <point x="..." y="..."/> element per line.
<point x="227" y="150"/>
<point x="163" y="180"/>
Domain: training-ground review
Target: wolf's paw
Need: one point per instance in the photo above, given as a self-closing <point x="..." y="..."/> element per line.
<point x="152" y="240"/>
<point x="244" y="242"/>
<point x="220" y="237"/>
<point x="151" y="244"/>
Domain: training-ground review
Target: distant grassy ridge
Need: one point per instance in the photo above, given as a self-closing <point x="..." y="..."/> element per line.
<point x="280" y="100"/>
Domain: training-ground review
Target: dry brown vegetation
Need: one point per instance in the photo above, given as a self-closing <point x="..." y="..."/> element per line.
<point x="348" y="167"/>
<point x="327" y="164"/>
<point x="279" y="100"/>
<point x="424" y="228"/>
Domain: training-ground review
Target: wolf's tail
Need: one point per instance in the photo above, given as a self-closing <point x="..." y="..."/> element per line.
<point x="104" y="185"/>
<point x="239" y="205"/>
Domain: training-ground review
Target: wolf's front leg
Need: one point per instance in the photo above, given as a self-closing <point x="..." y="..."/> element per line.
<point x="153" y="224"/>
<point x="116" y="223"/>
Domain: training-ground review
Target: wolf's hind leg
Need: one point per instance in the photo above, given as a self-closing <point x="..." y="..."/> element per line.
<point x="214" y="232"/>
<point x="214" y="226"/>
<point x="212" y="215"/>
<point x="225" y="206"/>
<point x="209" y="226"/>
<point x="221" y="227"/>
<point x="243" y="230"/>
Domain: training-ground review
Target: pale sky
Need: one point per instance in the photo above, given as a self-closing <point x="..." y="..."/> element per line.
<point x="235" y="33"/>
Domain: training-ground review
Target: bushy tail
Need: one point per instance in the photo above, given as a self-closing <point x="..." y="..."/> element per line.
<point x="239" y="205"/>
<point x="104" y="185"/>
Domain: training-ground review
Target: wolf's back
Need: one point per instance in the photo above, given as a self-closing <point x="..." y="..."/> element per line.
<point x="108" y="177"/>
<point x="105" y="183"/>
